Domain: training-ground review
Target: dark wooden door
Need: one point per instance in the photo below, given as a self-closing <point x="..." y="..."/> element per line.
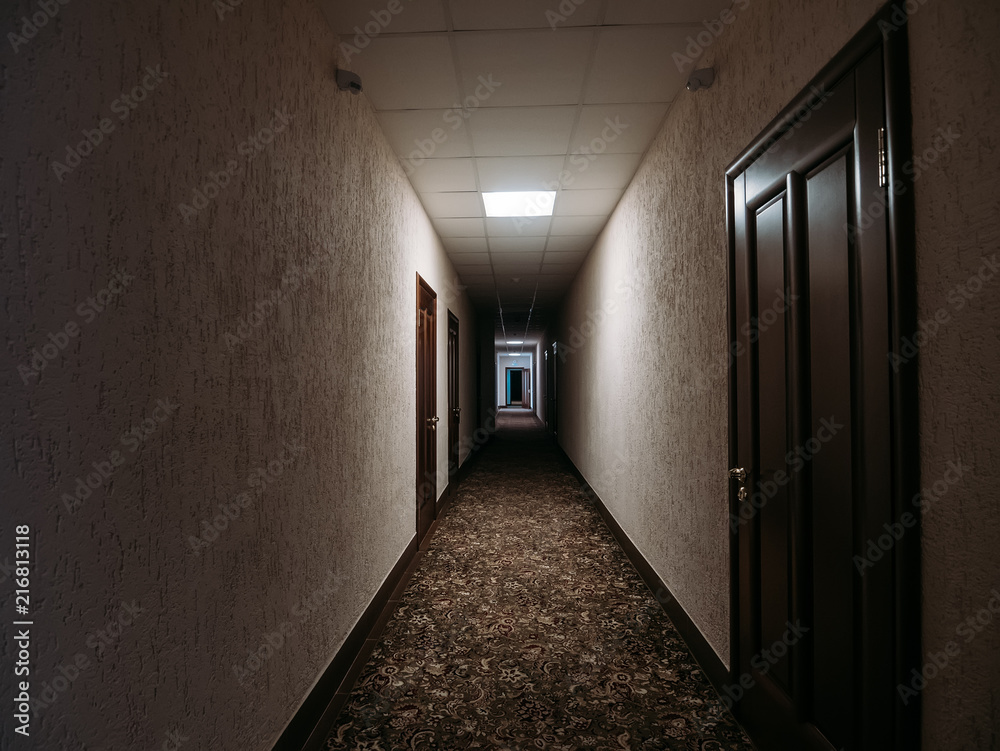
<point x="526" y="388"/>
<point x="815" y="634"/>
<point x="454" y="396"/>
<point x="427" y="419"/>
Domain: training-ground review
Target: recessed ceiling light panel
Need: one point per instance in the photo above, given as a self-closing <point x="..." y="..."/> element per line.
<point x="524" y="203"/>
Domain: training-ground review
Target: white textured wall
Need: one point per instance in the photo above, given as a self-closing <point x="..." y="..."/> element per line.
<point x="331" y="366"/>
<point x="643" y="401"/>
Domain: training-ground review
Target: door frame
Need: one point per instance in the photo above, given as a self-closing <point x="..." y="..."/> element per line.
<point x="421" y="425"/>
<point x="901" y="265"/>
<point x="506" y="373"/>
<point x="454" y="400"/>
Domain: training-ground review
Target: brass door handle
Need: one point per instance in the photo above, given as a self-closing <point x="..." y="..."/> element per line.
<point x="432" y="422"/>
<point x="740" y="475"/>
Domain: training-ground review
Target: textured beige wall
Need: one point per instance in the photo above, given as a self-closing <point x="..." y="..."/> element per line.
<point x="643" y="401"/>
<point x="330" y="366"/>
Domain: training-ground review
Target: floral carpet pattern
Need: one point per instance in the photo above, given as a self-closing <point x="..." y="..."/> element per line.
<point x="526" y="627"/>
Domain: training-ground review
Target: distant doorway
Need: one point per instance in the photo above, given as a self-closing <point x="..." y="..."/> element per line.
<point x="515" y="387"/>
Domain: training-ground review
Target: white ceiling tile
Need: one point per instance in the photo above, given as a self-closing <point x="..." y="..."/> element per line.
<point x="617" y="128"/>
<point x="636" y="64"/>
<point x="468" y="204"/>
<point x="376" y="17"/>
<point x="480" y="282"/>
<point x="522" y="14"/>
<point x="500" y="245"/>
<point x="522" y="131"/>
<point x="469" y="259"/>
<point x="518" y="227"/>
<point x="408" y="72"/>
<point x="417" y="135"/>
<point x="460" y="227"/>
<point x="604" y="172"/>
<point x="565" y="256"/>
<point x="560" y="268"/>
<point x="569" y="244"/>
<point x="455" y="245"/>
<point x="524" y="68"/>
<point x="518" y="260"/>
<point x="444" y="176"/>
<point x="578" y="225"/>
<point x="658" y="11"/>
<point x="473" y="271"/>
<point x="519" y="173"/>
<point x="586" y="202"/>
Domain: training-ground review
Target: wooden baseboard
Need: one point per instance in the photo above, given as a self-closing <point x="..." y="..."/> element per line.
<point x="713" y="667"/>
<point x="316" y="716"/>
<point x="320" y="709"/>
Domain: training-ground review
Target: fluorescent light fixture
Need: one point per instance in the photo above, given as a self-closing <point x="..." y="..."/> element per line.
<point x="525" y="203"/>
<point x="515" y="342"/>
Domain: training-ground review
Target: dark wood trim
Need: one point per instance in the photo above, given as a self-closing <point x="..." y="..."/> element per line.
<point x="901" y="218"/>
<point x="319" y="710"/>
<point x="318" y="713"/>
<point x="710" y="663"/>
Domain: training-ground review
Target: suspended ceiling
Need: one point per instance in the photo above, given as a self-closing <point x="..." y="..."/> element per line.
<point x="490" y="95"/>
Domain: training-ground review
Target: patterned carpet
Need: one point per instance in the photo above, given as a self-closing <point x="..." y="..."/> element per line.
<point x="525" y="627"/>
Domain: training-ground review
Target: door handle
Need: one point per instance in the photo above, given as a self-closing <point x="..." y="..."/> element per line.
<point x="740" y="475"/>
<point x="432" y="422"/>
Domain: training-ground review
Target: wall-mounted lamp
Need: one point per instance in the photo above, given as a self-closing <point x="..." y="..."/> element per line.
<point x="701" y="79"/>
<point x="347" y="81"/>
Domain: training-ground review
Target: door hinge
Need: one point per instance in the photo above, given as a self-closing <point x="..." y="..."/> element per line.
<point x="883" y="160"/>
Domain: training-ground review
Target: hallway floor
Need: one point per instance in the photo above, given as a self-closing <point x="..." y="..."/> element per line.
<point x="525" y="626"/>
